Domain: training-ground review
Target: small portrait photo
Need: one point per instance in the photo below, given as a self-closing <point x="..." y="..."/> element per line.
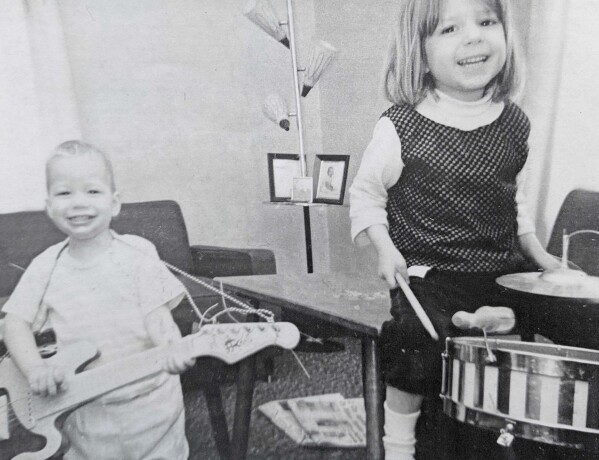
<point x="330" y="175"/>
<point x="282" y="169"/>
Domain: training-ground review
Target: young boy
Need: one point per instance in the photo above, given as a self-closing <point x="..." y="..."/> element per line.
<point x="108" y="288"/>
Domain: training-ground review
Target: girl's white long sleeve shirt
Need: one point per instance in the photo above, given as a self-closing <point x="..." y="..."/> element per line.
<point x="381" y="165"/>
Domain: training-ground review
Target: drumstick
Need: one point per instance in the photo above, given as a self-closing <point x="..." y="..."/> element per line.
<point x="422" y="316"/>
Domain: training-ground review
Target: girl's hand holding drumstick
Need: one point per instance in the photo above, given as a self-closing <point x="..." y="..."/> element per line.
<point x="422" y="316"/>
<point x="393" y="269"/>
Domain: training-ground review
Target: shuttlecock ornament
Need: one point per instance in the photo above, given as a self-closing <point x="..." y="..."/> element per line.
<point x="321" y="55"/>
<point x="261" y="13"/>
<point x="275" y="109"/>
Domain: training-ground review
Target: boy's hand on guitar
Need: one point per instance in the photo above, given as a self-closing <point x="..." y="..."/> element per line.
<point x="176" y="361"/>
<point x="47" y="380"/>
<point x="391" y="264"/>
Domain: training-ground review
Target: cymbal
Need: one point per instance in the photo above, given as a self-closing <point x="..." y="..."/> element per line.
<point x="570" y="284"/>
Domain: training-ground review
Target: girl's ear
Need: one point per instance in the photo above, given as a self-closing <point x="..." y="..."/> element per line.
<point x="116" y="204"/>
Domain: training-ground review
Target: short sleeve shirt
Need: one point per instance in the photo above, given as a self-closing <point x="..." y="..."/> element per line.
<point x="104" y="300"/>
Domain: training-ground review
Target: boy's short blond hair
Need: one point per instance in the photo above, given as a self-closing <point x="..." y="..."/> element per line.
<point x="405" y="79"/>
<point x="78" y="148"/>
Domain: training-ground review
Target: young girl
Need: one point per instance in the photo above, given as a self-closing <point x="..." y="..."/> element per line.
<point x="108" y="288"/>
<point x="439" y="189"/>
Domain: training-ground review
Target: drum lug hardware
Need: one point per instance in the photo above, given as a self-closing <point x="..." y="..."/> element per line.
<point x="506" y="436"/>
<point x="445" y="363"/>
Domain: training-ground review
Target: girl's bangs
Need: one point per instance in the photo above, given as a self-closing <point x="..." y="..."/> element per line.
<point x="431" y="13"/>
<point x="498" y="8"/>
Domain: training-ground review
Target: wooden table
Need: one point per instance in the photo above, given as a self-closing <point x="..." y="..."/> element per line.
<point x="354" y="304"/>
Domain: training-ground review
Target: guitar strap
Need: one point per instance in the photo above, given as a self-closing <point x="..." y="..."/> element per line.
<point x="42" y="316"/>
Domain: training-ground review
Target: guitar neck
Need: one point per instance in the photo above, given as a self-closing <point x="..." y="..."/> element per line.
<point x="228" y="342"/>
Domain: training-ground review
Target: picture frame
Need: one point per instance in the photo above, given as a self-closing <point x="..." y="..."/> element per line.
<point x="330" y="177"/>
<point x="282" y="169"/>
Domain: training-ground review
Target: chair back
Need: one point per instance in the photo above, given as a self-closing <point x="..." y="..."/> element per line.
<point x="579" y="211"/>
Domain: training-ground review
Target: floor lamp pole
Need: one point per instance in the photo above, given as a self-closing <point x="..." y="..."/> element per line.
<point x="300" y="132"/>
<point x="296" y="89"/>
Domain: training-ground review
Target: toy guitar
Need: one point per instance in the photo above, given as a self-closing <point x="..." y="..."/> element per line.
<point x="43" y="415"/>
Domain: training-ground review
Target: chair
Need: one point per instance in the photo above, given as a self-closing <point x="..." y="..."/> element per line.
<point x="579" y="211"/>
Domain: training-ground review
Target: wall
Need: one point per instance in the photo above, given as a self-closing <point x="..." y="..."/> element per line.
<point x="174" y="91"/>
<point x="351" y="103"/>
<point x="37" y="106"/>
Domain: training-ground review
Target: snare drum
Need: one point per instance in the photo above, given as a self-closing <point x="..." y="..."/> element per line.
<point x="537" y="391"/>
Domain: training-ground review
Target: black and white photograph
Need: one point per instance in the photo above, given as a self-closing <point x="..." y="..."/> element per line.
<point x="302" y="190"/>
<point x="330" y="176"/>
<point x="299" y="229"/>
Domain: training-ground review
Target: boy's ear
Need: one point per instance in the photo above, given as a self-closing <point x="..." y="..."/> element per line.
<point x="116" y="204"/>
<point x="48" y="212"/>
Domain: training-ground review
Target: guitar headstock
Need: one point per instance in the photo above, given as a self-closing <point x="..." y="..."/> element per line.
<point x="231" y="342"/>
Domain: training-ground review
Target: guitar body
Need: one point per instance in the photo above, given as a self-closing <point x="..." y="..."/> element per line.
<point x="30" y="434"/>
<point x="37" y="436"/>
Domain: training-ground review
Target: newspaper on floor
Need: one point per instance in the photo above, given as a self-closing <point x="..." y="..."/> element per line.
<point x="327" y="420"/>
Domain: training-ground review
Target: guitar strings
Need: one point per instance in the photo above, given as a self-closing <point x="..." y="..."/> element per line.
<point x="244" y="308"/>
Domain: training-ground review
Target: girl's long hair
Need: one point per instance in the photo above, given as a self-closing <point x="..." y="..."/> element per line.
<point x="405" y="76"/>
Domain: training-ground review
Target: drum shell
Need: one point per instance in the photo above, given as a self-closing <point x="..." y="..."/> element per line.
<point x="547" y="393"/>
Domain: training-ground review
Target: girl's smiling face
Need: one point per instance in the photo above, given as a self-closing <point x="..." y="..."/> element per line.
<point x="466" y="50"/>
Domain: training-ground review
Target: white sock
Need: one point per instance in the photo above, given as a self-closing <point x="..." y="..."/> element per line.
<point x="400" y="434"/>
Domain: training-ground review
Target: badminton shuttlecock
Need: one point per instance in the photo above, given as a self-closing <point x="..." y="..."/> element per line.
<point x="261" y="13"/>
<point x="275" y="109"/>
<point x="321" y="55"/>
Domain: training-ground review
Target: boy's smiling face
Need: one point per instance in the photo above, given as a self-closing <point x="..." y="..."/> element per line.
<point x="81" y="201"/>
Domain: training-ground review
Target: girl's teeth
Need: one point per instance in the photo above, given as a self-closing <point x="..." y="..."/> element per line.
<point x="472" y="60"/>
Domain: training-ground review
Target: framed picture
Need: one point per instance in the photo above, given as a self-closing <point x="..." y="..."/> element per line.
<point x="282" y="168"/>
<point x="330" y="176"/>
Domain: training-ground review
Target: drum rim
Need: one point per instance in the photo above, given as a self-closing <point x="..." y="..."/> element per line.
<point x="496" y="346"/>
<point x="495" y="422"/>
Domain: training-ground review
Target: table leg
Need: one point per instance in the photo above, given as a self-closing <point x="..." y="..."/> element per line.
<point x="308" y="235"/>
<point x="243" y="407"/>
<point x="218" y="420"/>
<point x="373" y="399"/>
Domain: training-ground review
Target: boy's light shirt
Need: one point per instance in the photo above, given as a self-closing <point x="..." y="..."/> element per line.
<point x="104" y="300"/>
<point x="381" y="164"/>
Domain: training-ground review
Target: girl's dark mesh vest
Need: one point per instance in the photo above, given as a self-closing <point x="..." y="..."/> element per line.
<point x="454" y="205"/>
